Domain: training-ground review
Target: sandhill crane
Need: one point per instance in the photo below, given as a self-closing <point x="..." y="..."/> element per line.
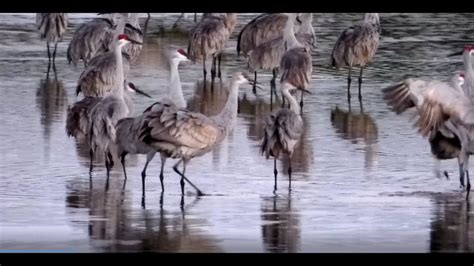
<point x="91" y="38"/>
<point x="52" y="27"/>
<point x="356" y="46"/>
<point x="100" y="75"/>
<point x="267" y="55"/>
<point x="77" y="121"/>
<point x="128" y="128"/>
<point x="283" y="130"/>
<point x="106" y="113"/>
<point x="262" y="28"/>
<point x="444" y="113"/>
<point x="209" y="37"/>
<point x="296" y="64"/>
<point x="133" y="30"/>
<point x="180" y="133"/>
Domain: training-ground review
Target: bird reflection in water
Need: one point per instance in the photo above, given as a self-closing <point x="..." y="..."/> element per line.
<point x="51" y="100"/>
<point x="114" y="226"/>
<point x="357" y="127"/>
<point x="452" y="224"/>
<point x="280" y="225"/>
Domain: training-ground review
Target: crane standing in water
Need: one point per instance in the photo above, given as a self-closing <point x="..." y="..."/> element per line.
<point x="113" y="107"/>
<point x="52" y="27"/>
<point x="180" y="133"/>
<point x="356" y="46"/>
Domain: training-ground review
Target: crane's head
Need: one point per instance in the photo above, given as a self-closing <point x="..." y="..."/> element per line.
<point x="181" y="56"/>
<point x="372" y="18"/>
<point x="132" y="88"/>
<point x="467" y="49"/>
<point x="461" y="79"/>
<point x="123" y="39"/>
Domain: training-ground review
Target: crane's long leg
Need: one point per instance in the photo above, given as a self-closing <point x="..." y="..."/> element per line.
<point x="176" y="22"/>
<point x="468" y="186"/>
<point x="163" y="161"/>
<point x="204" y="68"/>
<point x="122" y="160"/>
<point x="461" y="172"/>
<point x="149" y="157"/>
<point x="219" y="59"/>
<point x="49" y="53"/>
<point x="175" y="168"/>
<point x="275" y="74"/>
<point x="213" y="68"/>
<point x="289" y="171"/>
<point x="349" y="84"/>
<point x="108" y="162"/>
<point x="360" y="82"/>
<point x="254" y="87"/>
<point x="275" y="172"/>
<point x="301" y="102"/>
<point x="54" y="52"/>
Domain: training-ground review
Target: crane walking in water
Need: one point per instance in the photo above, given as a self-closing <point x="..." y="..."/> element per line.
<point x="445" y="113"/>
<point x="356" y="46"/>
<point x="128" y="128"/>
<point x="283" y="130"/>
<point x="113" y="107"/>
<point x="52" y="27"/>
<point x="180" y="133"/>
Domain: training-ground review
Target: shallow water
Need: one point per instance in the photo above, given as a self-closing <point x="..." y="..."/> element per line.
<point x="362" y="182"/>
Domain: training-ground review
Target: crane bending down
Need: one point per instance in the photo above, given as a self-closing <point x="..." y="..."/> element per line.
<point x="282" y="131"/>
<point x="101" y="73"/>
<point x="77" y="120"/>
<point x="356" y="46"/>
<point x="296" y="64"/>
<point x="180" y="133"/>
<point x="92" y="38"/>
<point x="445" y="113"/>
<point x="52" y="27"/>
<point x="267" y="55"/>
<point x="105" y="114"/>
<point x="128" y="128"/>
<point x="209" y="38"/>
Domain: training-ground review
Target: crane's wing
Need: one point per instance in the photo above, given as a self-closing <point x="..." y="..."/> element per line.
<point x="282" y="130"/>
<point x="180" y="127"/>
<point x="296" y="66"/>
<point x="407" y="94"/>
<point x="442" y="103"/>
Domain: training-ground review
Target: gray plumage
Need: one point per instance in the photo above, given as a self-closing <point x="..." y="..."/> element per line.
<point x="52" y="27"/>
<point x="357" y="45"/>
<point x="261" y="29"/>
<point x="77" y="121"/>
<point x="209" y="38"/>
<point x="444" y="113"/>
<point x="133" y="30"/>
<point x="282" y="131"/>
<point x="91" y="39"/>
<point x="180" y="133"/>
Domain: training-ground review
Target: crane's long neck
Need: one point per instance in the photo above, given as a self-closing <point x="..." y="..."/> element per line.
<point x="294" y="106"/>
<point x="176" y="91"/>
<point x="469" y="80"/>
<point x="228" y="115"/>
<point x="306" y="26"/>
<point x="289" y="33"/>
<point x="120" y="84"/>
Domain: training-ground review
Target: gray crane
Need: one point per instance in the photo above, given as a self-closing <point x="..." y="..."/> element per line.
<point x="77" y="120"/>
<point x="209" y="38"/>
<point x="133" y="30"/>
<point x="180" y="133"/>
<point x="268" y="54"/>
<point x="92" y="38"/>
<point x="128" y="128"/>
<point x="445" y="113"/>
<point x="100" y="75"/>
<point x="356" y="46"/>
<point x="296" y="64"/>
<point x="282" y="131"/>
<point x="52" y="27"/>
<point x="106" y="113"/>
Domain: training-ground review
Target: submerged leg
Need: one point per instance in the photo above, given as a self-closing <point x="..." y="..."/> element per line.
<point x="91" y="154"/>
<point x="254" y="89"/>
<point x="289" y="171"/>
<point x="149" y="157"/>
<point x="461" y="171"/>
<point x="49" y="53"/>
<point x="54" y="52"/>
<point x="275" y="172"/>
<point x="204" y="68"/>
<point x="107" y="164"/>
<point x="349" y="84"/>
<point x="360" y="82"/>
<point x="219" y="59"/>
<point x="213" y="68"/>
<point x="468" y="186"/>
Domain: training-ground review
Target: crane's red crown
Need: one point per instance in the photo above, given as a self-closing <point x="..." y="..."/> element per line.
<point x="181" y="51"/>
<point x="461" y="75"/>
<point x="469" y="47"/>
<point x="123" y="37"/>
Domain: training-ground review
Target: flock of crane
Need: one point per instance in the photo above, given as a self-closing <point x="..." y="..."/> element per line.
<point x="277" y="42"/>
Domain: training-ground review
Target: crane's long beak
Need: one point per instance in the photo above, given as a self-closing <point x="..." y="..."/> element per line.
<point x="134" y="88"/>
<point x="455" y="54"/>
<point x="255" y="83"/>
<point x="298" y="19"/>
<point x="305" y="90"/>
